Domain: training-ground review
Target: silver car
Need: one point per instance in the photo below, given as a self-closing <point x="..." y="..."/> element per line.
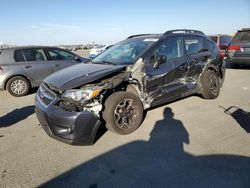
<point x="22" y="68"/>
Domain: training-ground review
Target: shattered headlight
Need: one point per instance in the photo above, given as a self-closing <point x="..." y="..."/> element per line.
<point x="83" y="94"/>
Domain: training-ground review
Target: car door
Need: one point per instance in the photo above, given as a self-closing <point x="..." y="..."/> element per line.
<point x="197" y="51"/>
<point x="60" y="58"/>
<point x="167" y="81"/>
<point x="35" y="65"/>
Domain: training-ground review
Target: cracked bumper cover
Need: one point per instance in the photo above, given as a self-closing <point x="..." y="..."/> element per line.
<point x="75" y="128"/>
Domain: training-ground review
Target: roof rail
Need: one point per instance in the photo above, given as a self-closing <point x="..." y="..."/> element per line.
<point x="132" y="36"/>
<point x="183" y="31"/>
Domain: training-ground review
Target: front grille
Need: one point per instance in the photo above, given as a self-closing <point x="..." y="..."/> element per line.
<point x="46" y="96"/>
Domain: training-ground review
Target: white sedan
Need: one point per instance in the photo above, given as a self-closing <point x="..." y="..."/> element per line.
<point x="97" y="50"/>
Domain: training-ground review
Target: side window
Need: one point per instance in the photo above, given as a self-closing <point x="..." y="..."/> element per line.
<point x="33" y="54"/>
<point x="18" y="56"/>
<point x="171" y="48"/>
<point x="215" y="38"/>
<point x="57" y="54"/>
<point x="209" y="45"/>
<point x="193" y="44"/>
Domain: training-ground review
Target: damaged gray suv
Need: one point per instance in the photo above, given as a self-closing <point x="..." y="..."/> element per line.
<point x="116" y="87"/>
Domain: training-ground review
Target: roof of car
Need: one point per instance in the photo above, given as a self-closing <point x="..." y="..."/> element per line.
<point x="245" y="29"/>
<point x="216" y="35"/>
<point x="169" y="33"/>
<point x="25" y="47"/>
<point x="160" y="35"/>
<point x="145" y="36"/>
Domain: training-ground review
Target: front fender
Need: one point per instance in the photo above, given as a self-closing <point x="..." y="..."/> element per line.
<point x="220" y="69"/>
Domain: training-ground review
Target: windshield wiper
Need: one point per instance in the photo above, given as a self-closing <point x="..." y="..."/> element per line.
<point x="104" y="62"/>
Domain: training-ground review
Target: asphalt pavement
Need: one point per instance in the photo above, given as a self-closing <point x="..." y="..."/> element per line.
<point x="189" y="143"/>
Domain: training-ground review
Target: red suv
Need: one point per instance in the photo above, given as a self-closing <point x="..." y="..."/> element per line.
<point x="222" y="42"/>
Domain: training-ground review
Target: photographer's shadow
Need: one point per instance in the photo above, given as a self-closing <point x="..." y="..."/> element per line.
<point x="159" y="162"/>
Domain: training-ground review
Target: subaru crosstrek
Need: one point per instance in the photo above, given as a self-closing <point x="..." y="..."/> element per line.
<point x="116" y="87"/>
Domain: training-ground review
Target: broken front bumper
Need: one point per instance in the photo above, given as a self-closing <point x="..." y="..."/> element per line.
<point x="76" y="128"/>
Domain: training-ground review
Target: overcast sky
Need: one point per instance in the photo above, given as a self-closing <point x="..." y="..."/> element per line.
<point x="53" y="22"/>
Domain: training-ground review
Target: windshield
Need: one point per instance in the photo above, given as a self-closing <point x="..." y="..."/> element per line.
<point x="225" y="40"/>
<point x="125" y="52"/>
<point x="242" y="36"/>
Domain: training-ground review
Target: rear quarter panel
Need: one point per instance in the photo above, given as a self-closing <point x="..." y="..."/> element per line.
<point x="10" y="71"/>
<point x="9" y="67"/>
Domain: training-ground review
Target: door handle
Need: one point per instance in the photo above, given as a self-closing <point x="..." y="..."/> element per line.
<point x="57" y="65"/>
<point x="28" y="66"/>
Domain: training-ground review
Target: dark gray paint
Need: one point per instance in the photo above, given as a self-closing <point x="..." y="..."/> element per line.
<point x="79" y="75"/>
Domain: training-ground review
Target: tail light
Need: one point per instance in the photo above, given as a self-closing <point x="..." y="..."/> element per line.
<point x="1" y="69"/>
<point x="232" y="50"/>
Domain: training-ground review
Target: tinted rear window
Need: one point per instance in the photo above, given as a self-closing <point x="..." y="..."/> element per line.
<point x="18" y="56"/>
<point x="193" y="44"/>
<point x="242" y="36"/>
<point x="209" y="44"/>
<point x="225" y="40"/>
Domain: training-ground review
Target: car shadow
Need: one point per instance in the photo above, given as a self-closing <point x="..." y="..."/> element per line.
<point x="16" y="116"/>
<point x="100" y="132"/>
<point x="159" y="162"/>
<point x="33" y="90"/>
<point x="229" y="66"/>
<point x="242" y="117"/>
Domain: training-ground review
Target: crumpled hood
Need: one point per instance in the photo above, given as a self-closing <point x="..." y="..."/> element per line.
<point x="79" y="75"/>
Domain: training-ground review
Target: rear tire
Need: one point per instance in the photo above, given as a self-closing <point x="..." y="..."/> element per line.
<point x="123" y="112"/>
<point x="18" y="86"/>
<point x="210" y="85"/>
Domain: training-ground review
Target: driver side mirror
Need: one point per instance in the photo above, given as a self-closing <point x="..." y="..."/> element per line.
<point x="160" y="60"/>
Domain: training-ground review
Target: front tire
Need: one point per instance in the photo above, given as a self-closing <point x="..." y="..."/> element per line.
<point x="18" y="86"/>
<point x="123" y="112"/>
<point x="210" y="85"/>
